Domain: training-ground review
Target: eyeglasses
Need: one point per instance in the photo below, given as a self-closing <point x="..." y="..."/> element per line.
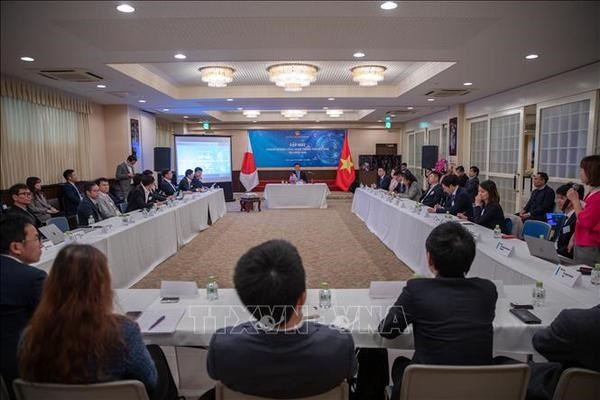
<point x="24" y="194"/>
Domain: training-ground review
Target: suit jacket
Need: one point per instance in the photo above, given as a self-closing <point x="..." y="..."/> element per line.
<point x="185" y="185"/>
<point x="472" y="187"/>
<point x="137" y="199"/>
<point x="87" y="208"/>
<point x="123" y="179"/>
<point x="463" y="179"/>
<point x="106" y="206"/>
<point x="383" y="182"/>
<point x="285" y="365"/>
<point x="540" y="203"/>
<point x="72" y="198"/>
<point x="451" y="318"/>
<point x="167" y="187"/>
<point x="413" y="192"/>
<point x="563" y="235"/>
<point x="39" y="207"/>
<point x="20" y="292"/>
<point x="14" y="210"/>
<point x="197" y="184"/>
<point x="489" y="215"/>
<point x="302" y="175"/>
<point x="433" y="196"/>
<point x="572" y="339"/>
<point x="460" y="202"/>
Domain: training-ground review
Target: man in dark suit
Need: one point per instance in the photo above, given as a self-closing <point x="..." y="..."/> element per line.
<point x="383" y="180"/>
<point x="435" y="194"/>
<point x="462" y="176"/>
<point x="472" y="185"/>
<point x="89" y="205"/>
<point x="297" y="174"/>
<point x="186" y="182"/>
<point x="20" y="288"/>
<point x="21" y="197"/>
<point x="458" y="200"/>
<point x="71" y="195"/>
<point x="456" y="332"/>
<point x="288" y="354"/>
<point x="197" y="180"/>
<point x="541" y="200"/>
<point x="141" y="197"/>
<point x="166" y="186"/>
<point x="124" y="175"/>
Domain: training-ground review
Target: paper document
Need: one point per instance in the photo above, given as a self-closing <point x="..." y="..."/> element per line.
<point x="167" y="325"/>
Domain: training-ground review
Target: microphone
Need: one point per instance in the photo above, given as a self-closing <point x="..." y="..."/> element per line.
<point x="576" y="187"/>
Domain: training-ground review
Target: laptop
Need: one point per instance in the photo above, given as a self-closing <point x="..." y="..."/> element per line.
<point x="52" y="233"/>
<point x="544" y="249"/>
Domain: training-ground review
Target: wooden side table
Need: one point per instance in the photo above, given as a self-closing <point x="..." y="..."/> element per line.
<point x="247" y="203"/>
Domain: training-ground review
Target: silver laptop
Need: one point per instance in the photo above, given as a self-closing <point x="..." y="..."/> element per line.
<point x="52" y="233"/>
<point x="544" y="249"/>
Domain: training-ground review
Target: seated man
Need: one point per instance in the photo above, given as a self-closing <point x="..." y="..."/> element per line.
<point x="197" y="180"/>
<point x="297" y="174"/>
<point x="21" y="198"/>
<point x="20" y="287"/>
<point x="457" y="198"/>
<point x="279" y="355"/>
<point x="72" y="196"/>
<point x="451" y="315"/>
<point x="141" y="197"/>
<point x="383" y="180"/>
<point x="166" y="186"/>
<point x="541" y="200"/>
<point x="105" y="203"/>
<point x="462" y="176"/>
<point x="435" y="194"/>
<point x="88" y="206"/>
<point x="186" y="182"/>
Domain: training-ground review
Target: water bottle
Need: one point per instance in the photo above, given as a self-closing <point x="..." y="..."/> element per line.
<point x="497" y="232"/>
<point x="595" y="278"/>
<point x="91" y="220"/>
<point x="325" y="296"/>
<point x="539" y="294"/>
<point x="448" y="215"/>
<point x="212" y="289"/>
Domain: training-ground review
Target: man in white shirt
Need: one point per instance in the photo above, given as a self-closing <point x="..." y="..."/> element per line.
<point x="105" y="203"/>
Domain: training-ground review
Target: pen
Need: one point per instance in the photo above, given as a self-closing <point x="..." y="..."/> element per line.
<point x="158" y="321"/>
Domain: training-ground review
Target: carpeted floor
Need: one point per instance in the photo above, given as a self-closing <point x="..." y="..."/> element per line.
<point x="334" y="244"/>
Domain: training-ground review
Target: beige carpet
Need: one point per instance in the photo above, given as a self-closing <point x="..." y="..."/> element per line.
<point x="334" y="244"/>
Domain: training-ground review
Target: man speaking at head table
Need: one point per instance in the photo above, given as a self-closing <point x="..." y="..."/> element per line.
<point x="297" y="174"/>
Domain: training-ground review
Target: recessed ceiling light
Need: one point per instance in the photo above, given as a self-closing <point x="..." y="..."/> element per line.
<point x="240" y="108"/>
<point x="165" y="109"/>
<point x="325" y="108"/>
<point x="254" y="121"/>
<point x="331" y="99"/>
<point x="185" y="116"/>
<point x="180" y="56"/>
<point x="410" y="108"/>
<point x="125" y="8"/>
<point x="430" y="99"/>
<point x="317" y="120"/>
<point x="101" y="86"/>
<point x="389" y="5"/>
<point x="141" y="101"/>
<point x="229" y="99"/>
<point x="28" y="59"/>
<point x="393" y="115"/>
<point x="358" y="54"/>
<point x="467" y="83"/>
<point x="531" y="56"/>
<point x="379" y="120"/>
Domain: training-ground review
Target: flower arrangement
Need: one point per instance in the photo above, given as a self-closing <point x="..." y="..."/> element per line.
<point x="441" y="166"/>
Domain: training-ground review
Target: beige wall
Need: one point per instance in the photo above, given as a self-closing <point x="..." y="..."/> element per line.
<point x="97" y="142"/>
<point x="116" y="132"/>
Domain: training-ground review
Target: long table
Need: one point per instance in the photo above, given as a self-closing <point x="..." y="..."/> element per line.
<point x="404" y="233"/>
<point x="283" y="195"/>
<point x="135" y="249"/>
<point x="352" y="309"/>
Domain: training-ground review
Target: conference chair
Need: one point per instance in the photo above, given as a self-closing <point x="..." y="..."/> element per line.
<point x="578" y="384"/>
<point x="61" y="223"/>
<point x="517" y="225"/>
<point x="222" y="392"/>
<point x="536" y="229"/>
<point x="118" y="390"/>
<point x="493" y="382"/>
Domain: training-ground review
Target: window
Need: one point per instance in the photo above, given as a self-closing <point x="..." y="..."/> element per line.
<point x="479" y="144"/>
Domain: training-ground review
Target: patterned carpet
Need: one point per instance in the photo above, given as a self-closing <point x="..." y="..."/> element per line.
<point x="334" y="244"/>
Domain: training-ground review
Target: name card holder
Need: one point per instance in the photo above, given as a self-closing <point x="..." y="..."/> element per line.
<point x="504" y="249"/>
<point x="567" y="276"/>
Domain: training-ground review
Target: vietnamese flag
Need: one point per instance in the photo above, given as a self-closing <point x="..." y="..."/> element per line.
<point x="248" y="173"/>
<point x="345" y="171"/>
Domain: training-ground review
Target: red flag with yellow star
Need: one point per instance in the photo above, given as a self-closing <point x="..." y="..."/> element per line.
<point x="345" y="171"/>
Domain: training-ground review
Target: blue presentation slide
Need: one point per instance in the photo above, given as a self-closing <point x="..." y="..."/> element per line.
<point x="211" y="153"/>
<point x="309" y="147"/>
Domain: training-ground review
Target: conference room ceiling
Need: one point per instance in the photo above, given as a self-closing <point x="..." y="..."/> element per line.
<point x="426" y="46"/>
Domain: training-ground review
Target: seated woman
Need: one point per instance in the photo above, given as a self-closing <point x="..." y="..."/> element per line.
<point x="75" y="338"/>
<point x="487" y="211"/>
<point x="39" y="205"/>
<point x="409" y="181"/>
<point x="566" y="229"/>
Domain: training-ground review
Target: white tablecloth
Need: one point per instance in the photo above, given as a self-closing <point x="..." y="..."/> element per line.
<point x="311" y="195"/>
<point x="134" y="250"/>
<point x="404" y="232"/>
<point x="352" y="309"/>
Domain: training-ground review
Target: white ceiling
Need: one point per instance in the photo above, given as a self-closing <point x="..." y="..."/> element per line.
<point x="486" y="40"/>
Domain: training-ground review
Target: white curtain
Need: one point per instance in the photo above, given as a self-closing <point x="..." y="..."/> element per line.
<point x="41" y="140"/>
<point x="164" y="133"/>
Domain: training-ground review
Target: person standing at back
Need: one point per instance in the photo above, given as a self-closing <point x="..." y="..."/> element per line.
<point x="71" y="194"/>
<point x="20" y="287"/>
<point x="462" y="177"/>
<point x="472" y="185"/>
<point x="124" y="175"/>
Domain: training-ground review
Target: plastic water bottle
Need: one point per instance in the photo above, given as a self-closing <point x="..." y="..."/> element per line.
<point x="595" y="278"/>
<point x="325" y="296"/>
<point x="539" y="294"/>
<point x="212" y="289"/>
<point x="497" y="232"/>
<point x="91" y="220"/>
<point x="448" y="215"/>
